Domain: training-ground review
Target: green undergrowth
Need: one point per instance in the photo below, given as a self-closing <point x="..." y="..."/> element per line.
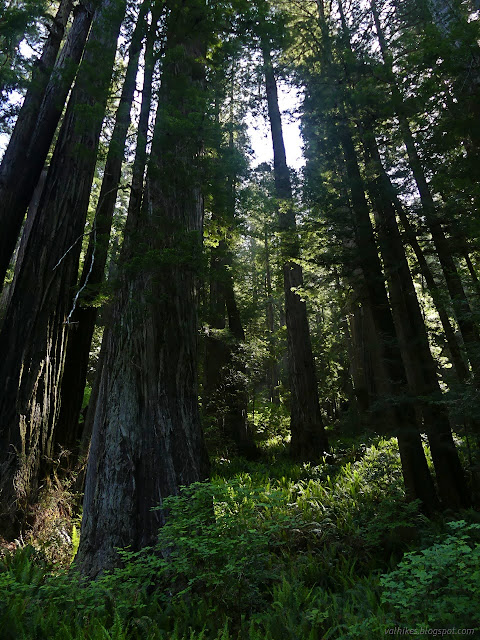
<point x="271" y="551"/>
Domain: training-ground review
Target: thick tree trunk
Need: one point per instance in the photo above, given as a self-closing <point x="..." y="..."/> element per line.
<point x="84" y="318"/>
<point x="34" y="333"/>
<point x="19" y="252"/>
<point x="22" y="133"/>
<point x="309" y="439"/>
<point x="419" y="364"/>
<point x="27" y="150"/>
<point x="147" y="439"/>
<point x="134" y="206"/>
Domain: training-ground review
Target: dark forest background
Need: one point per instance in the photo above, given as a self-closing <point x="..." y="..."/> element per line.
<point x="239" y="400"/>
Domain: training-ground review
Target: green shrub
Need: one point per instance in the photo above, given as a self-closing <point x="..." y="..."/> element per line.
<point x="283" y="552"/>
<point x="224" y="543"/>
<point x="438" y="586"/>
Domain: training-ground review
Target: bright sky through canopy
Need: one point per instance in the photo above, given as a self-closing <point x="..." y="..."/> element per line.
<point x="260" y="136"/>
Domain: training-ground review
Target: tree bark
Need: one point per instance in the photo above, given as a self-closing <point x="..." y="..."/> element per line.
<point x="417" y="478"/>
<point x="134" y="206"/>
<point x="455" y="288"/>
<point x="413" y="340"/>
<point x="272" y="364"/>
<point x="84" y="318"/>
<point x="147" y="439"/>
<point x="456" y="356"/>
<point x="309" y="439"/>
<point x="28" y="147"/>
<point x="367" y="271"/>
<point x="34" y="333"/>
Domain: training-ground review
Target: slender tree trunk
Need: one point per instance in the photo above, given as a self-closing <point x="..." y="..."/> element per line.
<point x="456" y="356"/>
<point x="84" y="318"/>
<point x="34" y="333"/>
<point x="272" y="365"/>
<point x="147" y="439"/>
<point x="217" y="355"/>
<point x="226" y="398"/>
<point x="225" y="388"/>
<point x="419" y="364"/>
<point x="27" y="150"/>
<point x="450" y="16"/>
<point x="460" y="302"/>
<point x="309" y="439"/>
<point x="367" y="271"/>
<point x="418" y="481"/>
<point x="471" y="270"/>
<point x="369" y="370"/>
<point x="237" y="407"/>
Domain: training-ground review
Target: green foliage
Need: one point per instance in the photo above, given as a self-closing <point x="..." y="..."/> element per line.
<point x="21" y="21"/>
<point x="438" y="586"/>
<point x="280" y="552"/>
<point x="224" y="544"/>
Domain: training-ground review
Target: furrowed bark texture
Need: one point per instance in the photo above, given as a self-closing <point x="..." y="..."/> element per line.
<point x="85" y="316"/>
<point x="147" y="439"/>
<point x="134" y="205"/>
<point x="27" y="150"/>
<point x="34" y="334"/>
<point x="309" y="439"/>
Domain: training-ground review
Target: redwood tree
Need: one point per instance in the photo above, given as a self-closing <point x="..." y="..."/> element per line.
<point x="85" y="315"/>
<point x="309" y="439"/>
<point x="34" y="334"/>
<point x="30" y="142"/>
<point x="147" y="439"/>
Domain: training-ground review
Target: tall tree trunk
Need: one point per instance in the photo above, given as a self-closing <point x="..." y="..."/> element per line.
<point x="309" y="439"/>
<point x="83" y="320"/>
<point x="272" y="364"/>
<point x="367" y="271"/>
<point x="390" y="194"/>
<point x="19" y="252"/>
<point x="237" y="408"/>
<point x="147" y="439"/>
<point x="225" y="372"/>
<point x="369" y="370"/>
<point x="34" y="333"/>
<point x="456" y="356"/>
<point x="455" y="288"/>
<point x="28" y="147"/>
<point x="418" y="481"/>
<point x="134" y="206"/>
<point x="419" y="364"/>
<point x="471" y="270"/>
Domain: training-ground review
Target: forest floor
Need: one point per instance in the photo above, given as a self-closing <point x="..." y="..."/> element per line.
<point x="289" y="552"/>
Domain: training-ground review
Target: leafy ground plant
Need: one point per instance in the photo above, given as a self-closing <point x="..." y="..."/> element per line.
<point x="283" y="552"/>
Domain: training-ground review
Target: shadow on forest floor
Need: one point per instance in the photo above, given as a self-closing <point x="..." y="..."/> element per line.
<point x="290" y="551"/>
